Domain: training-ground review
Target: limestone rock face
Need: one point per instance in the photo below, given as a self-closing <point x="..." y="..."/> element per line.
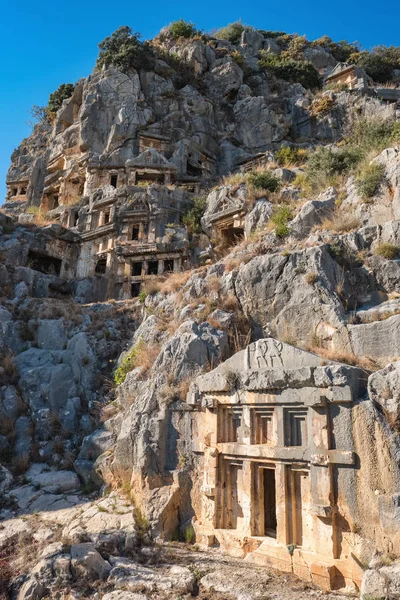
<point x="312" y="213"/>
<point x="259" y="359"/>
<point x="379" y="339"/>
<point x="272" y="290"/>
<point x="384" y="388"/>
<point x="258" y="217"/>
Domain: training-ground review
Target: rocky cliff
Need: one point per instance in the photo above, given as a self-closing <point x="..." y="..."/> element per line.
<point x="200" y="326"/>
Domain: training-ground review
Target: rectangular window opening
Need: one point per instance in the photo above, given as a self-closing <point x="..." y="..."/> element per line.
<point x="169" y="266"/>
<point x="101" y="266"/>
<point x="269" y="490"/>
<point x="152" y="267"/>
<point x="136" y="269"/>
<point x="135" y="289"/>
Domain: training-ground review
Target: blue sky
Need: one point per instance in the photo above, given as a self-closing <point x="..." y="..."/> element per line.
<point x="43" y="44"/>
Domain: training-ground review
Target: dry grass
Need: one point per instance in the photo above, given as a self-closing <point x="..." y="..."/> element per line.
<point x="167" y="284"/>
<point x="175" y="282"/>
<point x="152" y="286"/>
<point x="9" y="374"/>
<point x="54" y="308"/>
<point x="234" y="179"/>
<point x="376" y="315"/>
<point x="388" y="251"/>
<point x="7" y="428"/>
<point x="230" y="303"/>
<point x="363" y="362"/>
<point x="339" y="222"/>
<point x="146" y="357"/>
<point x="214" y="323"/>
<point x="173" y="391"/>
<point x="240" y="338"/>
<point x="20" y="463"/>
<point x="311" y="278"/>
<point x="235" y="261"/>
<point x="183" y="388"/>
<point x="214" y="284"/>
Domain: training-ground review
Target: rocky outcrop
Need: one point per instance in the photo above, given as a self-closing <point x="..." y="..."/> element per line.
<point x="173" y="412"/>
<point x="274" y="293"/>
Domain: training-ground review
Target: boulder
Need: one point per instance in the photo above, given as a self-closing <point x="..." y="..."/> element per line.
<point x="258" y="217"/>
<point x="192" y="346"/>
<point x="384" y="389"/>
<point x="224" y="78"/>
<point x="273" y="292"/>
<point x="251" y="41"/>
<point x="237" y="582"/>
<point x="271" y="47"/>
<point x="373" y="585"/>
<point x="51" y="334"/>
<point x="5" y="479"/>
<point x="55" y="481"/>
<point x="197" y="54"/>
<point x="380" y="339"/>
<point x="86" y="562"/>
<point x="257" y="125"/>
<point x="33" y="589"/>
<point x="312" y="213"/>
<point x="319" y="58"/>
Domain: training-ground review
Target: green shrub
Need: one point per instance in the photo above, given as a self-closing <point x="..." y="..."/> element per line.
<point x="189" y="534"/>
<point x="263" y="180"/>
<point x="280" y="217"/>
<point x="370" y="179"/>
<point x="388" y="251"/>
<point x="182" y="29"/>
<point x="192" y="219"/>
<point x="124" y="50"/>
<point x="271" y="34"/>
<point x="372" y="134"/>
<point x="63" y="92"/>
<point x="380" y="62"/>
<point x="296" y="47"/>
<point x="332" y="162"/>
<point x="321" y="106"/>
<point x="395" y="135"/>
<point x="142" y="296"/>
<point x="238" y="58"/>
<point x="342" y="50"/>
<point x="232" y="32"/>
<point x="290" y="69"/>
<point x="142" y="525"/>
<point x="289" y="156"/>
<point x="128" y="363"/>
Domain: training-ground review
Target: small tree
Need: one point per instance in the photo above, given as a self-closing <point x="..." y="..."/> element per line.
<point x="370" y="179"/>
<point x="64" y="91"/>
<point x="182" y="29"/>
<point x="39" y="113"/>
<point x="232" y="32"/>
<point x="124" y="50"/>
<point x="192" y="219"/>
<point x="281" y="216"/>
<point x="263" y="180"/>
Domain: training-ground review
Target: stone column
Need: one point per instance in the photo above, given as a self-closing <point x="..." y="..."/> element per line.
<point x="247" y="496"/>
<point x="281" y="504"/>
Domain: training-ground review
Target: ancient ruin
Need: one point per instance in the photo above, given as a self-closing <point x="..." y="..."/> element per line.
<point x="268" y="424"/>
<point x="200" y="325"/>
